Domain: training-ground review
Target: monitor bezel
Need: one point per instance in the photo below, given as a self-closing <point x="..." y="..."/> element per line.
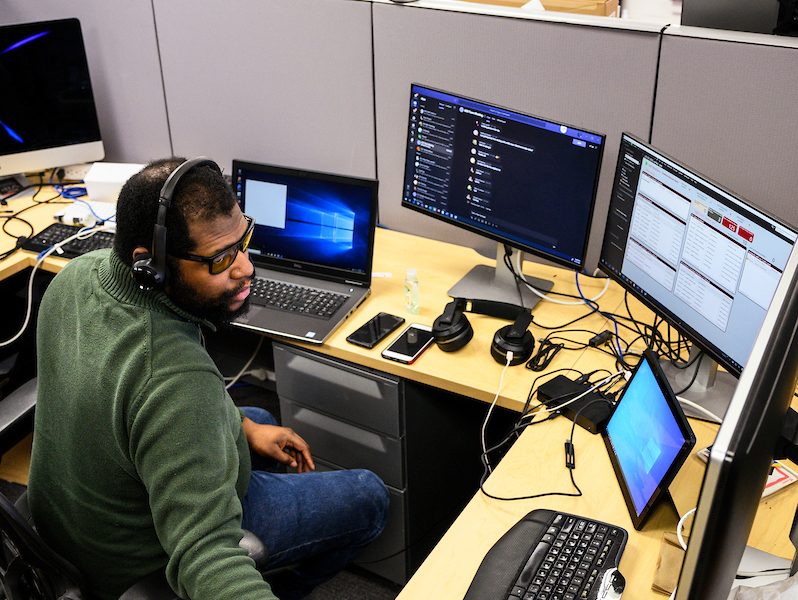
<point x="715" y="353"/>
<point x="488" y="234"/>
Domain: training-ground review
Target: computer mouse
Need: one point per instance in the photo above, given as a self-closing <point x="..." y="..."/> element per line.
<point x="612" y="585"/>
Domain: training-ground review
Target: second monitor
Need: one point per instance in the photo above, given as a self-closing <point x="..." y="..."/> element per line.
<point x="527" y="182"/>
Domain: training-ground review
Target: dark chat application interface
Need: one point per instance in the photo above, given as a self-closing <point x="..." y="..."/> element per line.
<point x="304" y="220"/>
<point x="644" y="435"/>
<point x="504" y="173"/>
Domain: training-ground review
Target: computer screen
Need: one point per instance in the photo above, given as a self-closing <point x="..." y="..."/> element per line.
<point x="308" y="218"/>
<point x="47" y="116"/>
<point x="647" y="437"/>
<point x="524" y="181"/>
<point x="743" y="451"/>
<point x="701" y="256"/>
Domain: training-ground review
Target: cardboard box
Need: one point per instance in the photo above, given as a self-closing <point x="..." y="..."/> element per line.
<point x="602" y="8"/>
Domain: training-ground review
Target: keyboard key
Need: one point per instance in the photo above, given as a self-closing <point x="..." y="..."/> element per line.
<point x="295" y="298"/>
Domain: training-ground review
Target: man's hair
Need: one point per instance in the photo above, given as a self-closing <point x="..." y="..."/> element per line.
<point x="201" y="194"/>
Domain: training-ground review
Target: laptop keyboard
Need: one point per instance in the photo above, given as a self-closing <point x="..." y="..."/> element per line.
<point x="549" y="556"/>
<point x="58" y="232"/>
<point x="295" y="298"/>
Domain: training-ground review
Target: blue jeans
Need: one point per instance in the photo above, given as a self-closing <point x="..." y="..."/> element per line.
<point x="317" y="522"/>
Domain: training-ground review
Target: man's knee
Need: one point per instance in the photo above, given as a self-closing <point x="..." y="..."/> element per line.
<point x="374" y="499"/>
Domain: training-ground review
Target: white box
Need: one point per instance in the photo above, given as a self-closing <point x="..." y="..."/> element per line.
<point x="104" y="180"/>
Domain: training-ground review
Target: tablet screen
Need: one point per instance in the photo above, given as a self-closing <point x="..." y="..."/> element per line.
<point x="648" y="438"/>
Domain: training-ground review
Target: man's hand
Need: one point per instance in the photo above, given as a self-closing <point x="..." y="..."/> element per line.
<point x="280" y="443"/>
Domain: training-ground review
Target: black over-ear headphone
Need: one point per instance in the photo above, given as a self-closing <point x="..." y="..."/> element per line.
<point x="149" y="270"/>
<point x="451" y="330"/>
<point x="515" y="338"/>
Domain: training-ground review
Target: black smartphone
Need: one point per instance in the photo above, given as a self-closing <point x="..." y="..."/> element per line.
<point x="410" y="344"/>
<point x="373" y="331"/>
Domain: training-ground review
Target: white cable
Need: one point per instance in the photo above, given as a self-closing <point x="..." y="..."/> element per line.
<point x="490" y="410"/>
<point x="680" y="526"/>
<point x="543" y="296"/>
<point x="700" y="409"/>
<point x="81" y="234"/>
<point x="238" y="375"/>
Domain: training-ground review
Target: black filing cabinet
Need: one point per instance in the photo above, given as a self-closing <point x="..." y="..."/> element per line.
<point x="422" y="442"/>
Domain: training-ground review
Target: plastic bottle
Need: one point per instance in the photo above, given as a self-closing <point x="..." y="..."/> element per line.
<point x="412" y="299"/>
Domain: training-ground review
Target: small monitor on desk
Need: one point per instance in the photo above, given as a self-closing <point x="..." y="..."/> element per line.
<point x="48" y="116"/>
<point x="527" y="182"/>
<point x="702" y="257"/>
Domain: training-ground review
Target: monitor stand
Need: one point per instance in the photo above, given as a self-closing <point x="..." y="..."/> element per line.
<point x="498" y="284"/>
<point x="712" y="389"/>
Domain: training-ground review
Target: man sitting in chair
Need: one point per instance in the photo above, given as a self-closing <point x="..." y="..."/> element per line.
<point x="140" y="459"/>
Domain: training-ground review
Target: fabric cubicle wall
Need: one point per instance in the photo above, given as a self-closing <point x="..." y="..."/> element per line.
<point x="287" y="82"/>
<point x="727" y="105"/>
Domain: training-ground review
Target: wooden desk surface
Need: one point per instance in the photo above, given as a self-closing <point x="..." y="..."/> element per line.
<point x="536" y="463"/>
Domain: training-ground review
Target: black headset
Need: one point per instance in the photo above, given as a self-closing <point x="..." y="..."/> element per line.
<point x="149" y="270"/>
<point x="451" y="330"/>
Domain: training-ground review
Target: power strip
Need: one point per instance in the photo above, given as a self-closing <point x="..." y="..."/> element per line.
<point x="76" y="172"/>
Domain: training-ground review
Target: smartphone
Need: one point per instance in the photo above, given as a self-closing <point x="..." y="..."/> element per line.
<point x="410" y="344"/>
<point x="373" y="331"/>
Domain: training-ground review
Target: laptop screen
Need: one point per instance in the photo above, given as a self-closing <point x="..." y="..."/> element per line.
<point x="315" y="223"/>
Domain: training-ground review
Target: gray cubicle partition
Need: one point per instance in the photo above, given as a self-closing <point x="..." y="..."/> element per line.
<point x="125" y="74"/>
<point x="278" y="81"/>
<point x="595" y="77"/>
<point x="727" y="105"/>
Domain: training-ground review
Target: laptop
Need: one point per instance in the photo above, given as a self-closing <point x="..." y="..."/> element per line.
<point x="314" y="230"/>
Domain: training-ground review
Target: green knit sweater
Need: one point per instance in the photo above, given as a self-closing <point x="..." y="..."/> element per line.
<point x="139" y="458"/>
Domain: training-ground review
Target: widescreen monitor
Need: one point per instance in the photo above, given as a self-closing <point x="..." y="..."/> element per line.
<point x="47" y="115"/>
<point x="527" y="182"/>
<point x="702" y="257"/>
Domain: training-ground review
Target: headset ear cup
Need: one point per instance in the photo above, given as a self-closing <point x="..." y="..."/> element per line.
<point x="145" y="274"/>
<point x="452" y="335"/>
<point x="521" y="347"/>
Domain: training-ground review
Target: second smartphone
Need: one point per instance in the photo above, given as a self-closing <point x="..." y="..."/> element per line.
<point x="409" y="345"/>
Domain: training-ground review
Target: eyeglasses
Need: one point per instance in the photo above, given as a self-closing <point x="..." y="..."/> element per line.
<point x="223" y="260"/>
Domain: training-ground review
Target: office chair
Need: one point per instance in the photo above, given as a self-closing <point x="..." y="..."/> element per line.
<point x="31" y="570"/>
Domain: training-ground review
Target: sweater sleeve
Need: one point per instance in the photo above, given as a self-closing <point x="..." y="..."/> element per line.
<point x="185" y="439"/>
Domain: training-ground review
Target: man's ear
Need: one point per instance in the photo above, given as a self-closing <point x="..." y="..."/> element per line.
<point x="139" y="253"/>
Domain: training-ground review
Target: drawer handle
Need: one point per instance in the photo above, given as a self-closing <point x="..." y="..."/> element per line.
<point x="339" y="429"/>
<point x="334" y="375"/>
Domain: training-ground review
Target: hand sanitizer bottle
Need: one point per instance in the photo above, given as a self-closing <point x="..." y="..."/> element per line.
<point x="412" y="300"/>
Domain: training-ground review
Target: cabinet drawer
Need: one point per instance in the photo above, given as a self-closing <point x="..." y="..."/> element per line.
<point x="336" y="388"/>
<point x="345" y="444"/>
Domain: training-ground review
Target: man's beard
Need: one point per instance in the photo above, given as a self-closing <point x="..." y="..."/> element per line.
<point x="215" y="310"/>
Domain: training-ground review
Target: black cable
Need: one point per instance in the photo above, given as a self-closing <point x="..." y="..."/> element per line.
<point x="695" y="375"/>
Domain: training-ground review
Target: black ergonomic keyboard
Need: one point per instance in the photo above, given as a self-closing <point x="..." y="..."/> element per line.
<point x="58" y="232"/>
<point x="549" y="555"/>
<point x="295" y="298"/>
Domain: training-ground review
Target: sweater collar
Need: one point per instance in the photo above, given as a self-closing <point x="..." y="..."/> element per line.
<point x="117" y="279"/>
